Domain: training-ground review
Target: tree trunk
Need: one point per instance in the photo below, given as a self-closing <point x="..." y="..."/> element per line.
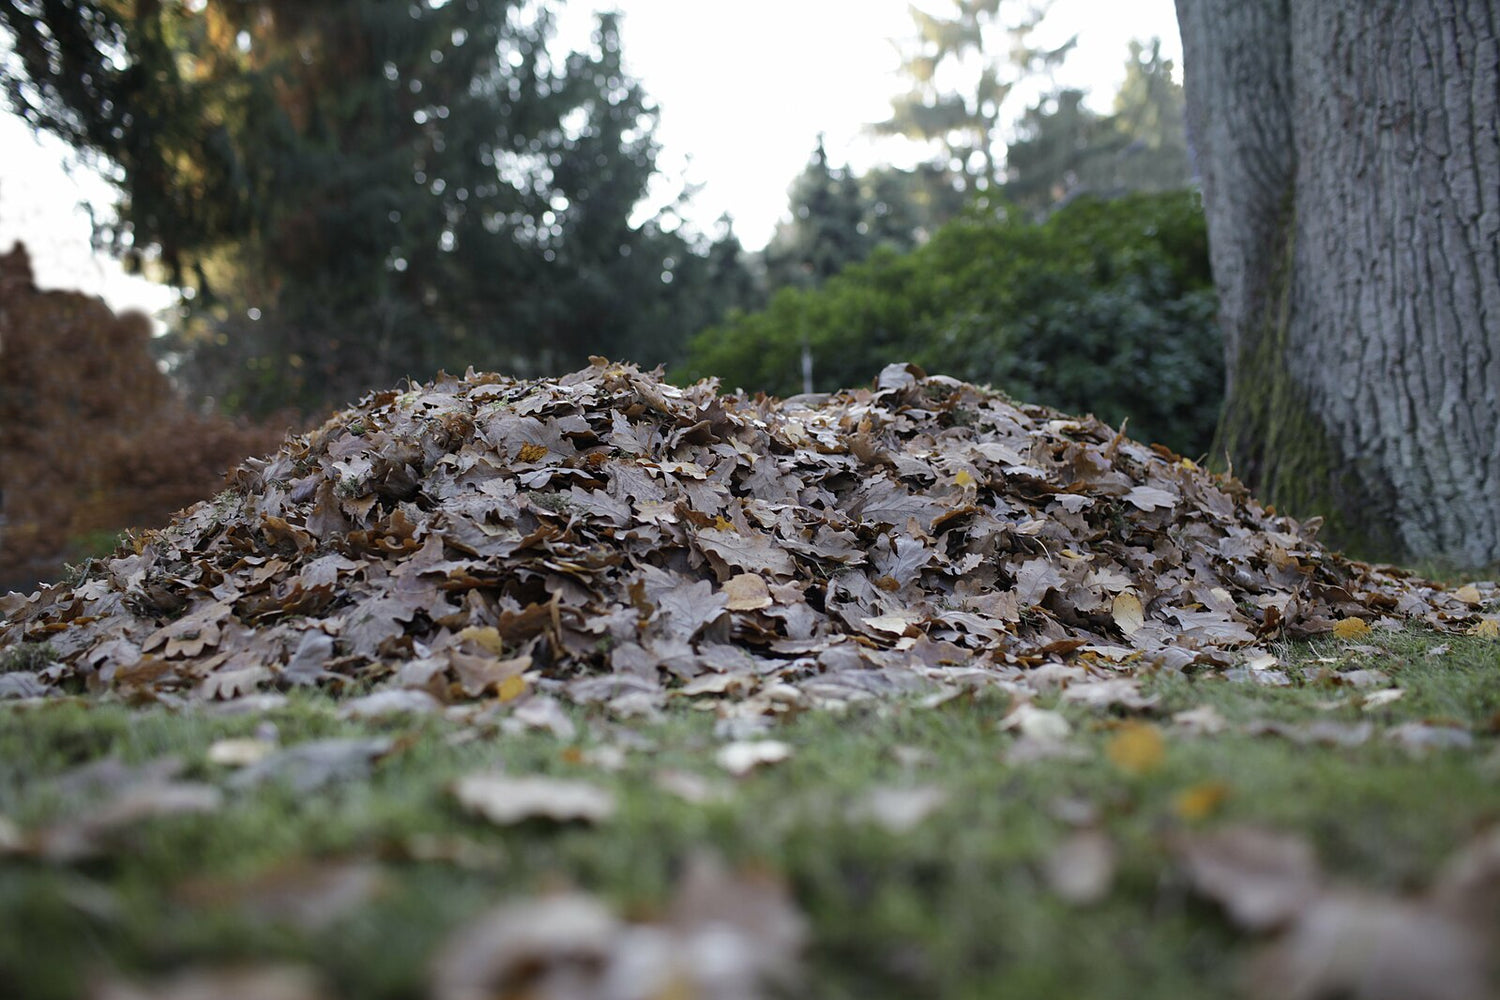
<point x="1349" y="152"/>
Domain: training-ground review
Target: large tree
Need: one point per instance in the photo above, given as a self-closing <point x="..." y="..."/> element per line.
<point x="1349" y="152"/>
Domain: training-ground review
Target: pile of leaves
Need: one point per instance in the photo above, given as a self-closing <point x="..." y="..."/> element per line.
<point x="613" y="538"/>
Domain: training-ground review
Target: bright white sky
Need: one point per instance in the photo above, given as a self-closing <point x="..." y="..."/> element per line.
<point x="743" y="90"/>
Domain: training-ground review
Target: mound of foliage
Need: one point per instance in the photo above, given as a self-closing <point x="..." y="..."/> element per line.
<point x="1107" y="307"/>
<point x="93" y="437"/>
<point x="616" y="539"/>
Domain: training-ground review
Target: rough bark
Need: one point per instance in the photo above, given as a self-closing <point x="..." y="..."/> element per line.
<point x="1350" y="157"/>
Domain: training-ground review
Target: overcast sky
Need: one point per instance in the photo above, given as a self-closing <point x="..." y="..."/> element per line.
<point x="743" y="91"/>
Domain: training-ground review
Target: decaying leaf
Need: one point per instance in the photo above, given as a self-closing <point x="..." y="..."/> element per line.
<point x="506" y="800"/>
<point x="1081" y="869"/>
<point x="267" y="982"/>
<point x="1263" y="879"/>
<point x="1136" y="748"/>
<point x="899" y="809"/>
<point x="743" y="756"/>
<point x="724" y="937"/>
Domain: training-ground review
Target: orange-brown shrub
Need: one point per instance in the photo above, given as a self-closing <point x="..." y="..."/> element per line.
<point x="93" y="437"/>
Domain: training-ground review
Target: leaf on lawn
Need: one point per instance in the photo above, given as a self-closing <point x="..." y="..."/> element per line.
<point x="1036" y="723"/>
<point x="1200" y="801"/>
<point x="1361" y="946"/>
<point x="240" y="752"/>
<point x="1350" y="628"/>
<point x="1486" y="628"/>
<point x="1469" y="594"/>
<point x="1262" y="879"/>
<point x="725" y="936"/>
<point x="1081" y="869"/>
<point x="306" y="767"/>
<point x="266" y="982"/>
<point x="743" y="756"/>
<point x="308" y="895"/>
<point x="506" y="800"/>
<point x="899" y="809"/>
<point x="1136" y="748"/>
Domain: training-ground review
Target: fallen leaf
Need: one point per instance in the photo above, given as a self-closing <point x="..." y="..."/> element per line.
<point x="1262" y="879"/>
<point x="1200" y="801"/>
<point x="1136" y="748"/>
<point x="506" y="800"/>
<point x="1128" y="613"/>
<point x="743" y="756"/>
<point x="1350" y="628"/>
<point x="1366" y="947"/>
<point x="1036" y="723"/>
<point x="1081" y="869"/>
<point x="747" y="592"/>
<point x="268" y="982"/>
<point x="900" y="809"/>
<point x="240" y="752"/>
<point x="724" y="937"/>
<point x="1486" y="628"/>
<point x="306" y="767"/>
<point x="1469" y="594"/>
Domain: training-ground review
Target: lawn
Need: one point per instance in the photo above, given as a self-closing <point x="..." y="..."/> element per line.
<point x="1195" y="838"/>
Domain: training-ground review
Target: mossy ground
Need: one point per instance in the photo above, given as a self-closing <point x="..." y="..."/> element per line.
<point x="958" y="906"/>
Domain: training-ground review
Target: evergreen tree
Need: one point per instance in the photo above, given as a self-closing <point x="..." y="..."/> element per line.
<point x="827" y="228"/>
<point x="356" y="190"/>
<point x="986" y="55"/>
<point x="1062" y="148"/>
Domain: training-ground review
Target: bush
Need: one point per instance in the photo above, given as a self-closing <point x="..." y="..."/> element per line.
<point x="1107" y="307"/>
<point x="93" y="438"/>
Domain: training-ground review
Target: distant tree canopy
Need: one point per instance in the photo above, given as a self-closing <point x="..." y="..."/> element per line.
<point x="962" y="68"/>
<point x="1062" y="148"/>
<point x="356" y="190"/>
<point x="1106" y="307"/>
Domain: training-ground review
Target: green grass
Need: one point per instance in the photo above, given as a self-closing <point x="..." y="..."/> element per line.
<point x="959" y="906"/>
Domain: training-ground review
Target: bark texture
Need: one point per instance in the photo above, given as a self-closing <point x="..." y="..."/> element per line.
<point x="1350" y="157"/>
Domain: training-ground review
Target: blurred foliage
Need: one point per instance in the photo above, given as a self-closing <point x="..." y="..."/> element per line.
<point x="1107" y="307"/>
<point x="356" y="190"/>
<point x="93" y="438"/>
<point x="985" y="47"/>
<point x="1063" y="149"/>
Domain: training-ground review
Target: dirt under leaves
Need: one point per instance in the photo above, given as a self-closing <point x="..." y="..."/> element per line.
<point x="612" y="538"/>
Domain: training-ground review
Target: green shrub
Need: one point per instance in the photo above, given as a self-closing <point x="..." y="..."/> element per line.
<point x="1107" y="307"/>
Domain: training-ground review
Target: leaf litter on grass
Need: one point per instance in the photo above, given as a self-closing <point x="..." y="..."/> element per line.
<point x="496" y="545"/>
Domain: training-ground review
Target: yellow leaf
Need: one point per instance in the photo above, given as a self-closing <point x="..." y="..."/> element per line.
<point x="1469" y="594"/>
<point x="1350" y="628"/>
<point x="1488" y="628"/>
<point x="512" y="688"/>
<point x="486" y="638"/>
<point x="722" y="523"/>
<point x="963" y="478"/>
<point x="1128" y="613"/>
<point x="532" y="453"/>
<point x="1200" y="801"/>
<point x="1136" y="748"/>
